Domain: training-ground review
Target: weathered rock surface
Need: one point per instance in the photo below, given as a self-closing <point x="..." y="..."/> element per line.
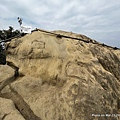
<point x="64" y="78"/>
<point x="8" y="110"/>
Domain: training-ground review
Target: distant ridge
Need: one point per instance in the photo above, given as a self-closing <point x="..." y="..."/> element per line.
<point x="60" y="33"/>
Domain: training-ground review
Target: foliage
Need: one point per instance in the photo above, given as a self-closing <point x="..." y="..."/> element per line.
<point x="6" y="34"/>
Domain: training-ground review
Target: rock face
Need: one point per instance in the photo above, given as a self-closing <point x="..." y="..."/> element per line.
<point x="8" y="111"/>
<point x="63" y="78"/>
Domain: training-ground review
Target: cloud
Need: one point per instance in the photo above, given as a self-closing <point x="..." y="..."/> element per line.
<point x="98" y="19"/>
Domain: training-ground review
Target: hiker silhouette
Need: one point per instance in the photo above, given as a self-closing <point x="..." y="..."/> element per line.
<point x="2" y="53"/>
<point x="19" y="20"/>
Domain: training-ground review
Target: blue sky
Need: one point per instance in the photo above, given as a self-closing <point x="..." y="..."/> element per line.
<point x="97" y="19"/>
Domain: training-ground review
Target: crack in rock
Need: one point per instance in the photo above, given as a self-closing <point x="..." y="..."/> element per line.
<point x="12" y="78"/>
<point x="19" y="102"/>
<point x="3" y="118"/>
<point x="20" y="105"/>
<point x="7" y="82"/>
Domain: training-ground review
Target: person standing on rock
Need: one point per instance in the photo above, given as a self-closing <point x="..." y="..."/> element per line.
<point x="2" y="53"/>
<point x="20" y="21"/>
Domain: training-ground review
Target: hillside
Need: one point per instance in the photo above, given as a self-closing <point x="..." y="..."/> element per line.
<point x="63" y="76"/>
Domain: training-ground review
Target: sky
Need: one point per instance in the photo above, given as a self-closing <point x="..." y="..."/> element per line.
<point x="97" y="19"/>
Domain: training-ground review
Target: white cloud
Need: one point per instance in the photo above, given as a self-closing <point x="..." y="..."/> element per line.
<point x="95" y="18"/>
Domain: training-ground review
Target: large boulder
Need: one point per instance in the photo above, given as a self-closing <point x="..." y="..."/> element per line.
<point x="64" y="78"/>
